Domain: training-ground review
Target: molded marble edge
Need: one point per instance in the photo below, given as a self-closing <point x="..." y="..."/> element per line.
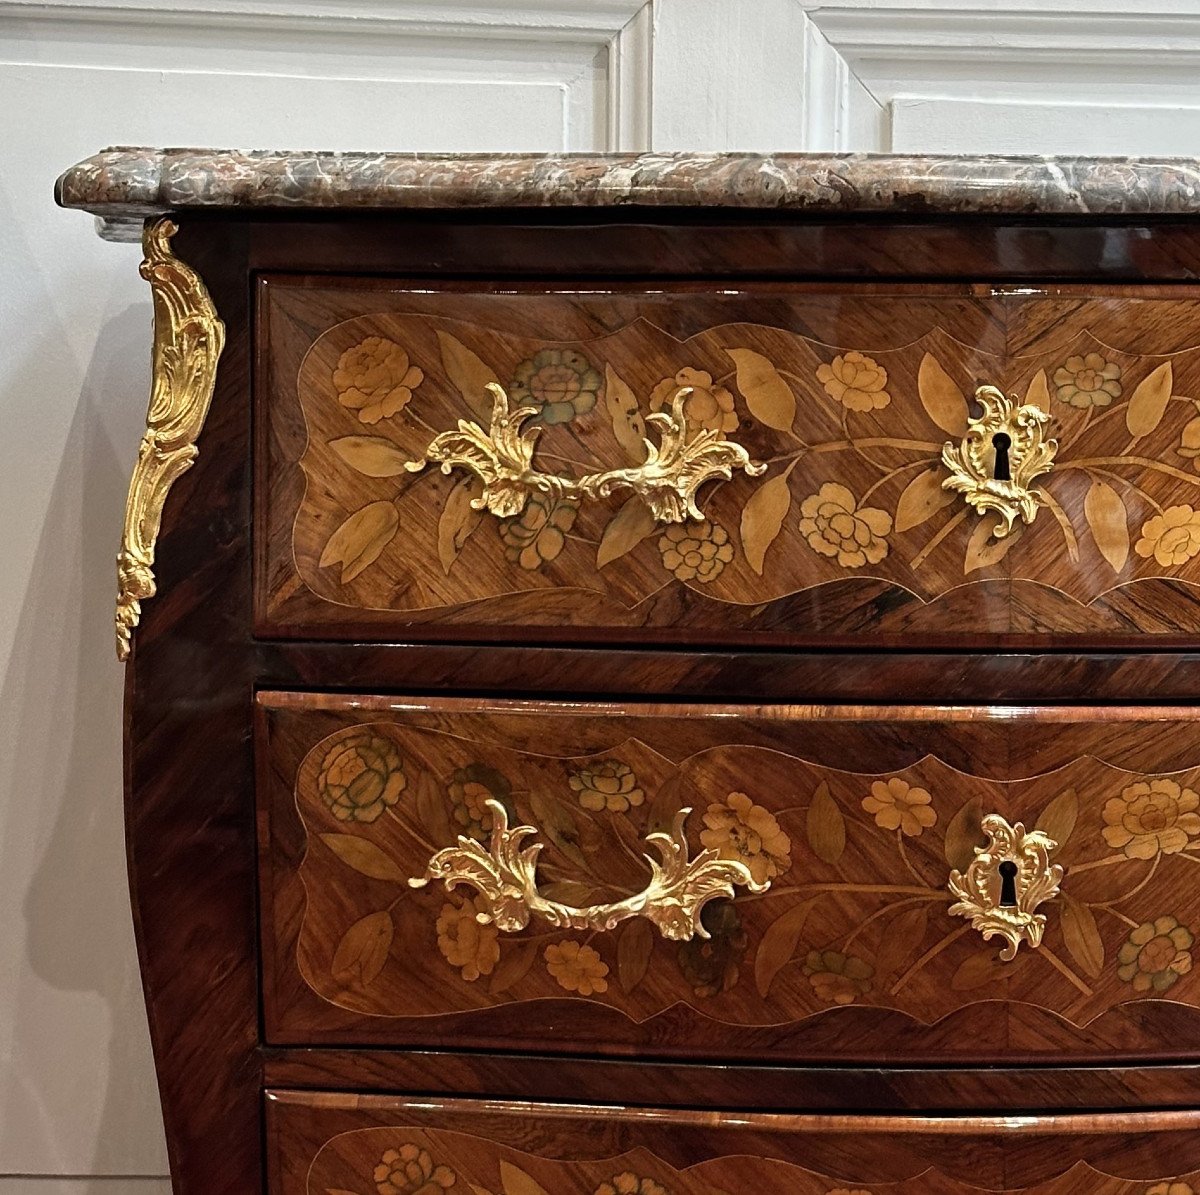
<point x="125" y="184"/>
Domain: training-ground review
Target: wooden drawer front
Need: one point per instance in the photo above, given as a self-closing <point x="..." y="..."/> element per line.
<point x="351" y="1145"/>
<point x="855" y="817"/>
<point x="848" y="397"/>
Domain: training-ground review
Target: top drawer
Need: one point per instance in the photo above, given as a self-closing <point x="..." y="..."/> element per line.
<point x="847" y="396"/>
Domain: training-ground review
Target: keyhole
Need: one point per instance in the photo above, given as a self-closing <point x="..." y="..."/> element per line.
<point x="1002" y="442"/>
<point x="1008" y="884"/>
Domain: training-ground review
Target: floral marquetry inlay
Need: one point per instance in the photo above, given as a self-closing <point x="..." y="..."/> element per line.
<point x="830" y="888"/>
<point x="850" y="422"/>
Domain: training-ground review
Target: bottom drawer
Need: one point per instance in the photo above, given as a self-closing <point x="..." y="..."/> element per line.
<point x="330" y="1144"/>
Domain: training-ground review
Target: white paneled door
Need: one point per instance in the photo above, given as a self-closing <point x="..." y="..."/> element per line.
<point x="78" y="1106"/>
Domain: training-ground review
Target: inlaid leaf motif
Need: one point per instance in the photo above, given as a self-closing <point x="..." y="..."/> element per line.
<point x="476" y="1189"/>
<point x="667" y="802"/>
<point x="1038" y="394"/>
<point x="943" y="401"/>
<point x="779" y="944"/>
<point x="826" y="826"/>
<point x="568" y="892"/>
<point x="556" y="821"/>
<point x="633" y="952"/>
<point x="985" y="968"/>
<point x="338" y="1191"/>
<point x="432" y="810"/>
<point x="364" y="857"/>
<point x="1149" y="401"/>
<point x="360" y="540"/>
<point x="516" y="1182"/>
<point x="458" y="520"/>
<point x="373" y="456"/>
<point x="627" y="423"/>
<point x="516" y="959"/>
<point x="762" y="519"/>
<point x="1059" y="817"/>
<point x="469" y="374"/>
<point x="922" y="498"/>
<point x="626" y="529"/>
<point x="363" y="950"/>
<point x="1081" y="936"/>
<point x="1108" y="521"/>
<point x="768" y="396"/>
<point x="902" y="937"/>
<point x="984" y="551"/>
<point x="964" y="834"/>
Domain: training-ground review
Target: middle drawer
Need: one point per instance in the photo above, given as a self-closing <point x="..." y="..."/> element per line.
<point x="845" y="887"/>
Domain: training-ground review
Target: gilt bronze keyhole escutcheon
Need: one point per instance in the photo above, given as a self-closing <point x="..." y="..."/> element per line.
<point x="1004" y="451"/>
<point x="1010" y="876"/>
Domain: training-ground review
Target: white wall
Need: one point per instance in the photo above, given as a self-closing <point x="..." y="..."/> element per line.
<point x="78" y="1106"/>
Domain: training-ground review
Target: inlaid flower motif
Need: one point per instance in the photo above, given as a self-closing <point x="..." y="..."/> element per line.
<point x="1088" y="381"/>
<point x="736" y="828"/>
<point x="361" y="776"/>
<point x="1171" y="1188"/>
<point x="835" y="525"/>
<point x="710" y="964"/>
<point x="560" y="383"/>
<point x="409" y="1170"/>
<point x="1172" y="537"/>
<point x="1152" y="816"/>
<point x="708" y="407"/>
<point x="1189" y="442"/>
<point x="695" y="551"/>
<point x="577" y="967"/>
<point x="538" y="533"/>
<point x="838" y="978"/>
<point x="606" y="784"/>
<point x="470" y="789"/>
<point x="856" y="381"/>
<point x="1156" y="954"/>
<point x="628" y="1183"/>
<point x="898" y="805"/>
<point x="465" y="942"/>
<point x="375" y="379"/>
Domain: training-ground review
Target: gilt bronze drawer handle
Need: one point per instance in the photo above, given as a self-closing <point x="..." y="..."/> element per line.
<point x="1010" y="876"/>
<point x="1001" y="455"/>
<point x="667" y="481"/>
<point x="505" y="875"/>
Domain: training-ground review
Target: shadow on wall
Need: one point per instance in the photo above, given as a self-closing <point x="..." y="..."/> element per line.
<point x="64" y="691"/>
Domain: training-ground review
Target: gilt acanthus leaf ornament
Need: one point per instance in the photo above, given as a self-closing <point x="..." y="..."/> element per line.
<point x="1033" y="879"/>
<point x="188" y="339"/>
<point x="504" y="873"/>
<point x="668" y="480"/>
<point x="1009" y="432"/>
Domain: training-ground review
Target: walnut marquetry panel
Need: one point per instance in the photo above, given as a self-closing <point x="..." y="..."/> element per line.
<point x="343" y="1145"/>
<point x="847" y="395"/>
<point x="855" y="816"/>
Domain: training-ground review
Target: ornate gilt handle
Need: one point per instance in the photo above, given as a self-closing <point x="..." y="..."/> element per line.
<point x="668" y="480"/>
<point x="1001" y="455"/>
<point x="505" y="875"/>
<point x="188" y="339"/>
<point x="1011" y="875"/>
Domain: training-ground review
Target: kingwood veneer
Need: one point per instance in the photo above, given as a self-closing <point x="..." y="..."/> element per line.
<point x="916" y="763"/>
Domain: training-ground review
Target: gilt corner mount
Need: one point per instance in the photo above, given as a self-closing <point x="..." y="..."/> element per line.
<point x="188" y="339"/>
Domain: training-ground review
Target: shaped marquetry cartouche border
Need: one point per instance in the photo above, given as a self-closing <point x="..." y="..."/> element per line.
<point x="188" y="339"/>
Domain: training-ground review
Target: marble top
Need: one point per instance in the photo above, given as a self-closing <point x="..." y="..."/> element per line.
<point x="131" y="183"/>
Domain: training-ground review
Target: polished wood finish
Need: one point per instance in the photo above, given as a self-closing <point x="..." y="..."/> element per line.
<point x="206" y="646"/>
<point x="345" y="1143"/>
<point x="848" y="394"/>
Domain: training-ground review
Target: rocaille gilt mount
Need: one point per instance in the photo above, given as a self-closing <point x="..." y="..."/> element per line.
<point x="188" y="339"/>
<point x="505" y="875"/>
<point x="667" y="481"/>
<point x="1009" y="877"/>
<point x="1000" y="457"/>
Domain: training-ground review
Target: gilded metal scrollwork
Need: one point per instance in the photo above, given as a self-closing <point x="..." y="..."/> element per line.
<point x="188" y="339"/>
<point x="668" y="480"/>
<point x="505" y="875"/>
<point x="1000" y="905"/>
<point x="1001" y="455"/>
